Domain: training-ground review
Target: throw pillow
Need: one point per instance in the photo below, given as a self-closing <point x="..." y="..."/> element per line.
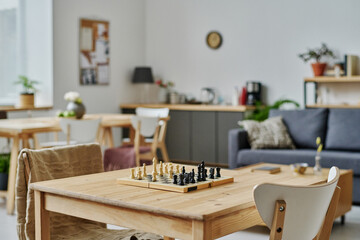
<point x="272" y="133"/>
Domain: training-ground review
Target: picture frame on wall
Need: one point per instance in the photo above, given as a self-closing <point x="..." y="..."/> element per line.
<point x="94" y="52"/>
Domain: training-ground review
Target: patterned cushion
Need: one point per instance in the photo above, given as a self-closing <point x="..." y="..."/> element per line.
<point x="271" y="133"/>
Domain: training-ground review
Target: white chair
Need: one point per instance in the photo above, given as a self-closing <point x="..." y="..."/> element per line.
<point x="160" y="113"/>
<point x="76" y="131"/>
<point x="145" y="127"/>
<point x="298" y="212"/>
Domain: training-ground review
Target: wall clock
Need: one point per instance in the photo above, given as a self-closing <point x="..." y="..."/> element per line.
<point x="214" y="40"/>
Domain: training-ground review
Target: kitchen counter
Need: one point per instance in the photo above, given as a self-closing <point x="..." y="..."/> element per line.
<point x="191" y="107"/>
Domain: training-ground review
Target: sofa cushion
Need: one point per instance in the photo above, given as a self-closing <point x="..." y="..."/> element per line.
<point x="343" y="130"/>
<point x="271" y="133"/>
<point x="329" y="158"/>
<point x="304" y="126"/>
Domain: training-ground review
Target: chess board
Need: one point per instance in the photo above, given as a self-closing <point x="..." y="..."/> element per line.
<point x="165" y="183"/>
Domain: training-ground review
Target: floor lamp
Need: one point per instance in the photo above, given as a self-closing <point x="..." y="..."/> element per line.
<point x="143" y="75"/>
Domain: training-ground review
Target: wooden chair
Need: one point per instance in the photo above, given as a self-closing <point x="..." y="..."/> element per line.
<point x="299" y="212"/>
<point x="76" y="131"/>
<point x="145" y="127"/>
<point x="129" y="155"/>
<point x="161" y="113"/>
<point x="55" y="163"/>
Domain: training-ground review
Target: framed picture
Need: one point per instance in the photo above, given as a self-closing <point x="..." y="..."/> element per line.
<point x="94" y="53"/>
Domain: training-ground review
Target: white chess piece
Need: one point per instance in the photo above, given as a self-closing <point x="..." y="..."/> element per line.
<point x="166" y="169"/>
<point x="154" y="176"/>
<point x="132" y="173"/>
<point x="144" y="171"/>
<point x="177" y="169"/>
<point x="139" y="176"/>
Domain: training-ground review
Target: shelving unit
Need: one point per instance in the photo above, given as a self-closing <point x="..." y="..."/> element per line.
<point x="328" y="79"/>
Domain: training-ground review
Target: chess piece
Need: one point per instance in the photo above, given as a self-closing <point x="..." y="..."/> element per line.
<point x="139" y="176"/>
<point x="181" y="179"/>
<point x="175" y="179"/>
<point x="177" y="169"/>
<point x="203" y="176"/>
<point x="171" y="173"/>
<point x="192" y="176"/>
<point x="161" y="173"/>
<point x="154" y="176"/>
<point x="212" y="172"/>
<point x="132" y="173"/>
<point x="187" y="178"/>
<point x="183" y="171"/>
<point x="144" y="171"/>
<point x="166" y="169"/>
<point x="171" y="168"/>
<point x="205" y="171"/>
<point x="218" y="172"/>
<point x="154" y="165"/>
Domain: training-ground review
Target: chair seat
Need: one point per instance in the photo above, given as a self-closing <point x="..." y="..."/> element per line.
<point x="122" y="157"/>
<point x="56" y="144"/>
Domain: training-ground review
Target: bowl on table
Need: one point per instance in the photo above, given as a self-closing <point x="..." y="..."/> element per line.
<point x="299" y="167"/>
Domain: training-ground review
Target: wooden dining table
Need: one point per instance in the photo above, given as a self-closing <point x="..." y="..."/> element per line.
<point x="203" y="214"/>
<point x="22" y="130"/>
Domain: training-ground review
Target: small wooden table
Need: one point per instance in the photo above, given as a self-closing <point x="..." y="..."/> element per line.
<point x="23" y="129"/>
<point x="202" y="214"/>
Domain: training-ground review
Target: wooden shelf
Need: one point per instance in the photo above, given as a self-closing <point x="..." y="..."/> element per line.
<point x="16" y="108"/>
<point x="328" y="79"/>
<point x="332" y="106"/>
<point x="193" y="107"/>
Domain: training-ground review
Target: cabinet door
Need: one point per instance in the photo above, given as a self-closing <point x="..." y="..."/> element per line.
<point x="178" y="135"/>
<point x="203" y="137"/>
<point x="225" y="122"/>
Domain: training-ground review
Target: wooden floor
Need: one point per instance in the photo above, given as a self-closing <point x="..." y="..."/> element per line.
<point x="351" y="230"/>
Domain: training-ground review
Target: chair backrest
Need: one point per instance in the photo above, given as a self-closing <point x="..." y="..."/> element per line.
<point x="148" y="125"/>
<point x="48" y="164"/>
<point x="82" y="131"/>
<point x="306" y="206"/>
<point x="152" y="112"/>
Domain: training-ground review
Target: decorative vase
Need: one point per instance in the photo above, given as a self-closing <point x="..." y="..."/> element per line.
<point x="163" y="95"/>
<point x="317" y="167"/>
<point x="318" y="68"/>
<point x="78" y="108"/>
<point x="27" y="100"/>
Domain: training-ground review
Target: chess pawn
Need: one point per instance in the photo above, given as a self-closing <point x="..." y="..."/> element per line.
<point x="144" y="171"/>
<point x="161" y="173"/>
<point x="154" y="165"/>
<point x="183" y="170"/>
<point x="166" y="169"/>
<point x="139" y="176"/>
<point x="132" y="173"/>
<point x="171" y="169"/>
<point x="218" y="172"/>
<point x="177" y="169"/>
<point x="171" y="174"/>
<point x="154" y="176"/>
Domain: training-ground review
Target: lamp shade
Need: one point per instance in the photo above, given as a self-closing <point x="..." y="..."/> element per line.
<point x="143" y="75"/>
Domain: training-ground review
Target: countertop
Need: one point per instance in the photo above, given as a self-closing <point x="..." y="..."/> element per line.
<point x="191" y="107"/>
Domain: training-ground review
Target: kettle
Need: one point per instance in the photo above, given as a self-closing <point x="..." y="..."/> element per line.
<point x="207" y="96"/>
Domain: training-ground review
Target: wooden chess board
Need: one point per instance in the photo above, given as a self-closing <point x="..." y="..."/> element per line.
<point x="165" y="183"/>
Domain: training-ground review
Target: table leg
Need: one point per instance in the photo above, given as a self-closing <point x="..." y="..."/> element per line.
<point x="42" y="219"/>
<point x="36" y="141"/>
<point x="12" y="176"/>
<point x="110" y="137"/>
<point x="201" y="230"/>
<point x="25" y="141"/>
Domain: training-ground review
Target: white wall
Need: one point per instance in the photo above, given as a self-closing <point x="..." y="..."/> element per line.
<point x="127" y="36"/>
<point x="261" y="40"/>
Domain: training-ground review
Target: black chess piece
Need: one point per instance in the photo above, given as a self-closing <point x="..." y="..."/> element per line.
<point x="175" y="179"/>
<point x="199" y="177"/>
<point x="202" y="164"/>
<point x="181" y="179"/>
<point x="212" y="172"/>
<point x="183" y="171"/>
<point x="218" y="172"/>
<point x="203" y="175"/>
<point x="205" y="171"/>
<point x="187" y="178"/>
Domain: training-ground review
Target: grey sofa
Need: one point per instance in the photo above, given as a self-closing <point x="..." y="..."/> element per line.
<point x="339" y="130"/>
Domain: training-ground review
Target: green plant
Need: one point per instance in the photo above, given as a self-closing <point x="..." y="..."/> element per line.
<point x="261" y="112"/>
<point x="4" y="163"/>
<point x="27" y="84"/>
<point x="317" y="53"/>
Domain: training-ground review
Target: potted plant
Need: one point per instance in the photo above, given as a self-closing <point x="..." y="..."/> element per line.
<point x="164" y="90"/>
<point x="75" y="106"/>
<point x="4" y="170"/>
<point x="27" y="96"/>
<point x="317" y="54"/>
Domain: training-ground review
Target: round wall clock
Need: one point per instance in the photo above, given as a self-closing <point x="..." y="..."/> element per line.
<point x="214" y="40"/>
